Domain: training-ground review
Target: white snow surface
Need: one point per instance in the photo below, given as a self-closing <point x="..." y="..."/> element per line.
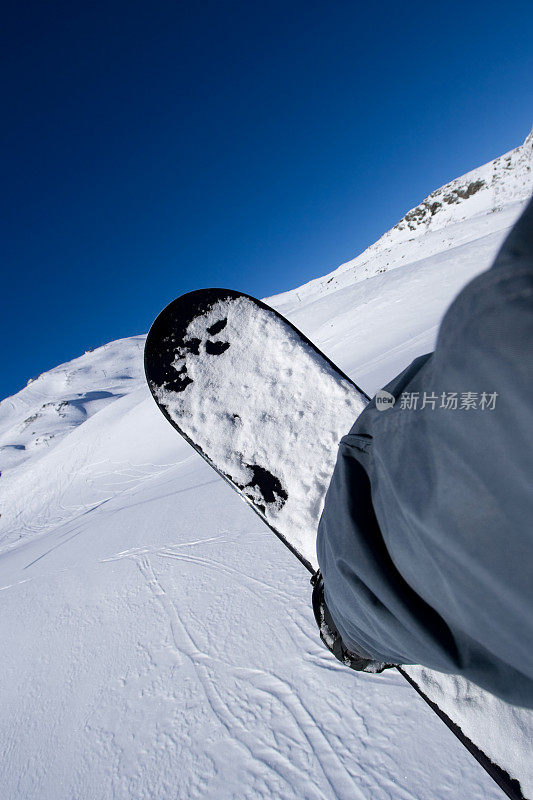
<point x="158" y="640"/>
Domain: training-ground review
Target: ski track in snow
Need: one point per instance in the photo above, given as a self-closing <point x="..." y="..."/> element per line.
<point x="158" y="639"/>
<point x="263" y="682"/>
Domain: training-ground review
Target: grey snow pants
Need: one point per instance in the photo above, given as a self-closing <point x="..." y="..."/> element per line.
<point x="425" y="541"/>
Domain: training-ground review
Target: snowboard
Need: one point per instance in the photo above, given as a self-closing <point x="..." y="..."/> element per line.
<point x="267" y="409"/>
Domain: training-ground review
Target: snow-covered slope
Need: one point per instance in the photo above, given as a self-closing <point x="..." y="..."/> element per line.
<point x="436" y="225"/>
<point x="157" y="639"/>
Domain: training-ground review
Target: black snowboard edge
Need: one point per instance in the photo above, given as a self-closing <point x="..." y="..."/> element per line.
<point x="511" y="786"/>
<point x="170" y="325"/>
<point x="169" y="328"/>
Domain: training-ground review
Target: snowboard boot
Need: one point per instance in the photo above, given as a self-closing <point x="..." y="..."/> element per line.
<point x="331" y="636"/>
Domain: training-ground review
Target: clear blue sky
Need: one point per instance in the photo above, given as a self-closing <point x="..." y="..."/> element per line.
<point x="149" y="148"/>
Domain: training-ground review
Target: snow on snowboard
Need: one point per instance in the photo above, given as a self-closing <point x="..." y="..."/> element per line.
<point x="266" y="409"/>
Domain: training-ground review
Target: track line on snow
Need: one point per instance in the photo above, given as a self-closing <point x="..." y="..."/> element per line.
<point x="223" y="568"/>
<point x="175" y="493"/>
<point x="145" y="550"/>
<point x="270" y="758"/>
<point x="337" y="776"/>
<point x="12" y="585"/>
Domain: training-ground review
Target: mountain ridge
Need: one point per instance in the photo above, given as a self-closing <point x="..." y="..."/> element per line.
<point x="506" y="180"/>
